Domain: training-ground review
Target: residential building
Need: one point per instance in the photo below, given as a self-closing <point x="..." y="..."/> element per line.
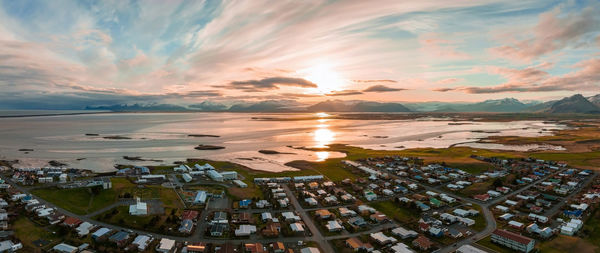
<point x="513" y="241"/>
<point x="165" y="245"/>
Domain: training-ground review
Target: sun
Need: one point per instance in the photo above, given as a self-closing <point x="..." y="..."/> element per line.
<point x="326" y="79"/>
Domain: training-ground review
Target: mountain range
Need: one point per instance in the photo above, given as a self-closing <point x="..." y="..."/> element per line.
<point x="573" y="104"/>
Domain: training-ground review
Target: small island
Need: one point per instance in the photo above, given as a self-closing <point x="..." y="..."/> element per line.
<point x="116" y="137"/>
<point x="140" y="159"/>
<point x="92" y="135"/>
<point x="26" y="149"/>
<point x="380" y="137"/>
<point x="203" y="135"/>
<point x="273" y="152"/>
<point x="208" y="147"/>
<point x="56" y="163"/>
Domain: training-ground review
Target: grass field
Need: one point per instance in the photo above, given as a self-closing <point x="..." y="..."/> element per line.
<point x="480" y="222"/>
<point x="396" y="212"/>
<point x="79" y="200"/>
<point x="591" y="229"/>
<point x="28" y="232"/>
<point x="122" y="218"/>
<point x="82" y="201"/>
<point x="487" y="242"/>
<point x="563" y="243"/>
<point x="474" y="168"/>
<point x="476" y="188"/>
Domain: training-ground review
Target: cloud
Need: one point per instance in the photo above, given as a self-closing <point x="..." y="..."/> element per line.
<point x="344" y="93"/>
<point x="434" y="45"/>
<point x="554" y="31"/>
<point x="449" y="81"/>
<point x="192" y="49"/>
<point x="299" y="95"/>
<point x="381" y="88"/>
<point x="443" y="89"/>
<point x="534" y="79"/>
<point x="270" y="83"/>
<point x="375" y="81"/>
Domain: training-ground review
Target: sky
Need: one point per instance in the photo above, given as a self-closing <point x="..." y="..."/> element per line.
<point x="70" y="54"/>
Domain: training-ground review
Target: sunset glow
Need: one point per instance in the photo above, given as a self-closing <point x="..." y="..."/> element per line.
<point x="298" y="53"/>
<point x="327" y="79"/>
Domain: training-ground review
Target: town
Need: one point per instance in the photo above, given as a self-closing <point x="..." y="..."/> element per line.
<point x="397" y="204"/>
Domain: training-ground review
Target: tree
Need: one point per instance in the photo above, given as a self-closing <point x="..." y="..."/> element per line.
<point x="96" y="189"/>
<point x="498" y="182"/>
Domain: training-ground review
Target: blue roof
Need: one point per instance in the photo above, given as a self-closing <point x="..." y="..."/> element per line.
<point x="575" y="213"/>
<point x="121" y="235"/>
<point x="245" y="202"/>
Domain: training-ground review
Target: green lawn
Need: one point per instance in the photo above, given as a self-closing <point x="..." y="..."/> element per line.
<point x="121" y="217"/>
<point x="563" y="243"/>
<point x="573" y="159"/>
<point x="487" y="242"/>
<point x="28" y="232"/>
<point x="82" y="201"/>
<point x="396" y="212"/>
<point x="472" y="168"/>
<point x="480" y="222"/>
<point x="476" y="188"/>
<point x="78" y="200"/>
<point x="591" y="229"/>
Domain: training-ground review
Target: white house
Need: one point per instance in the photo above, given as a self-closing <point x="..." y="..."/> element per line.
<point x="245" y="230"/>
<point x="214" y="175"/>
<point x="139" y="208"/>
<point x="200" y="198"/>
<point x="141" y="241"/>
<point x="165" y="245"/>
<point x="229" y="175"/>
<point x="187" y="177"/>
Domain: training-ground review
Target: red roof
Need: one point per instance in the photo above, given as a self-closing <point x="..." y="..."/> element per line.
<point x="423" y="226"/>
<point x="422" y="242"/>
<point x="189" y="215"/>
<point x="72" y="221"/>
<point x="483" y="197"/>
<point x="512" y="236"/>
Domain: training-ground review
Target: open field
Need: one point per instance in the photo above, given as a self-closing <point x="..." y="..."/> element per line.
<point x="487" y="242"/>
<point x="28" y="232"/>
<point x="83" y="201"/>
<point x="476" y="188"/>
<point x="395" y="211"/>
<point x="480" y="222"/>
<point x="162" y="224"/>
<point x="563" y="243"/>
<point x="591" y="229"/>
<point x="78" y="200"/>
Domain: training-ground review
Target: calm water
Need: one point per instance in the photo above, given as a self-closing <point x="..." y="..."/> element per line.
<point x="164" y="136"/>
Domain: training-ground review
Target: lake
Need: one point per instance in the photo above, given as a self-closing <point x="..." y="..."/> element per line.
<point x="99" y="141"/>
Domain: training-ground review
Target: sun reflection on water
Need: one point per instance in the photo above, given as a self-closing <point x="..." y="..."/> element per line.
<point x="322" y="156"/>
<point x="323" y="137"/>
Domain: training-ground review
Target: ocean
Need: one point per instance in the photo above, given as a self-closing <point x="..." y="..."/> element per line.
<point x="99" y="141"/>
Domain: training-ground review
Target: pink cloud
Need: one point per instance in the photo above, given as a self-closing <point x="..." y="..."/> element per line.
<point x="552" y="32"/>
<point x="533" y="79"/>
<point x="432" y="44"/>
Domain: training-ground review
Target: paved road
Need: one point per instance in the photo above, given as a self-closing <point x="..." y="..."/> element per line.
<point x="554" y="209"/>
<point x="316" y="233"/>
